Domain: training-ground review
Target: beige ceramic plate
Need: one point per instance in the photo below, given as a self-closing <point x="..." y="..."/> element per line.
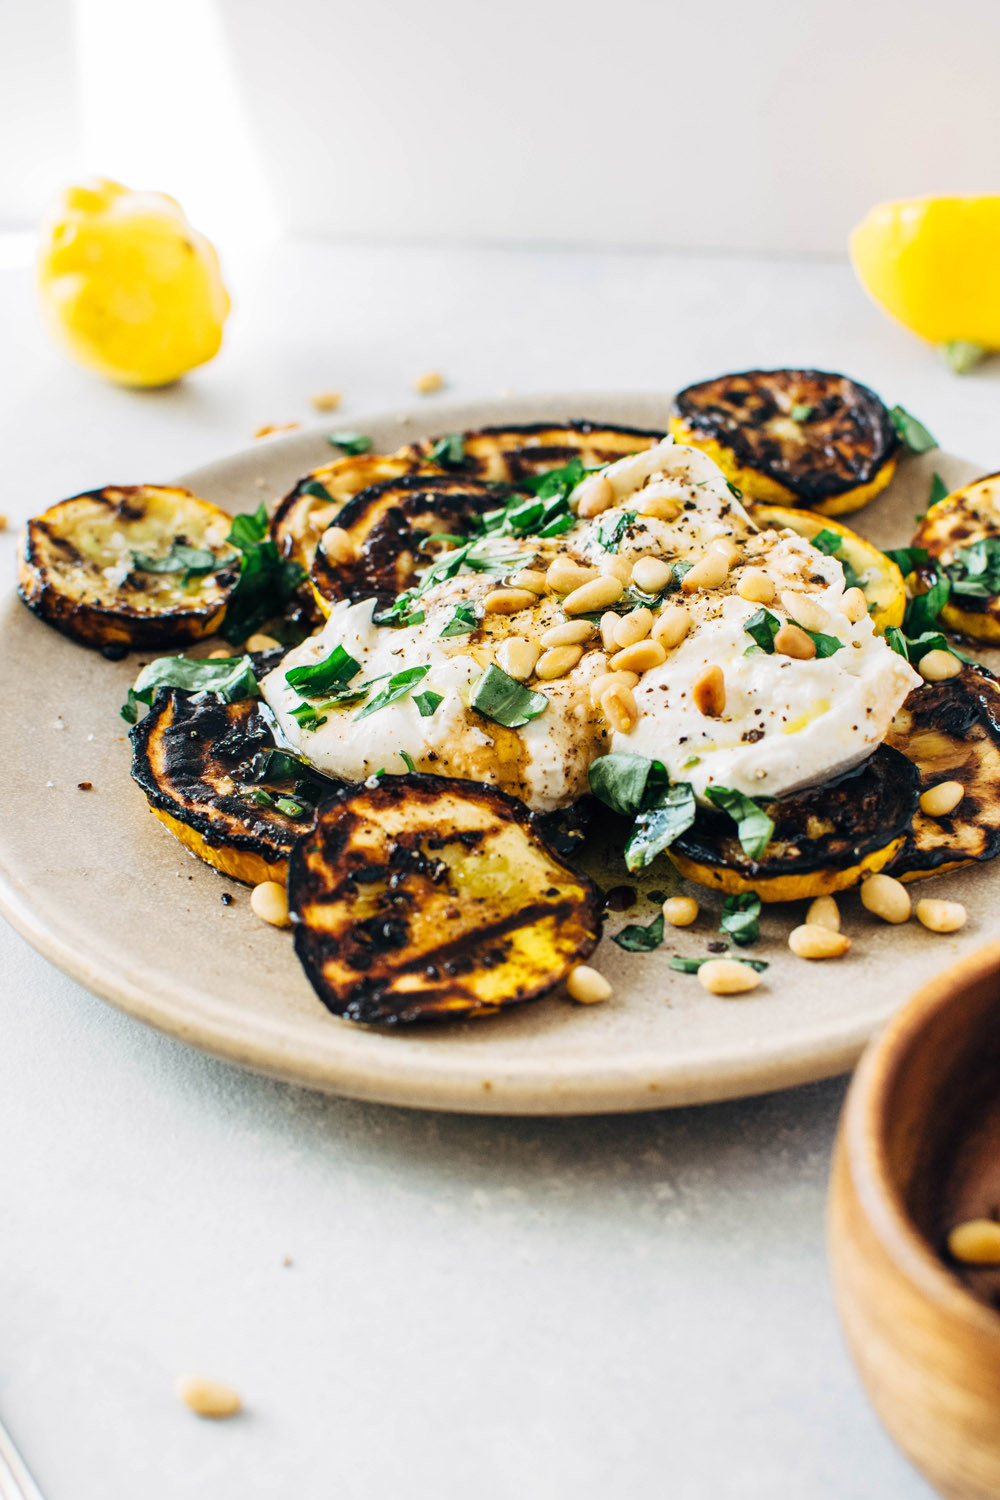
<point x="104" y="891"/>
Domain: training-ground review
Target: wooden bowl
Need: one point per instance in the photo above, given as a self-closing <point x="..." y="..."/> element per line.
<point x="927" y="1347"/>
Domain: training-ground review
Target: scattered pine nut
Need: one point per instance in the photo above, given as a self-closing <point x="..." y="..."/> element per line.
<point x="618" y="707"/>
<point x="219" y="653"/>
<point x="854" y="605"/>
<point x="529" y="578"/>
<point x="4" y="523"/>
<point x="428" y="383"/>
<point x="269" y="429"/>
<point x="940" y="800"/>
<point x="886" y="898"/>
<point x="671" y="626"/>
<point x="594" y="495"/>
<point x="791" y="641"/>
<point x="338" y="545"/>
<point x="755" y="586"/>
<point x="824" y="912"/>
<point x="813" y="941"/>
<point x="517" y="657"/>
<point x="557" y="662"/>
<point x="593" y="596"/>
<point x="326" y="400"/>
<point x="936" y="666"/>
<point x="606" y="680"/>
<point x="616" y="567"/>
<point x="586" y="986"/>
<point x="976" y="1243"/>
<point x="805" y="610"/>
<point x="710" y="572"/>
<point x="680" y="911"/>
<point x="568" y="633"/>
<point x="650" y="575"/>
<point x="941" y="916"/>
<point x="727" y="548"/>
<point x="660" y="507"/>
<point x="269" y="901"/>
<point x="727" y="976"/>
<point x="709" y="693"/>
<point x="564" y="575"/>
<point x="261" y="642"/>
<point x="508" y="601"/>
<point x="640" y="657"/>
<point x="633" y="627"/>
<point x="208" y="1398"/>
<point x="609" y="629"/>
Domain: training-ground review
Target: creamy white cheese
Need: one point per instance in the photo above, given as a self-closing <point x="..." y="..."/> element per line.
<point x="788" y="723"/>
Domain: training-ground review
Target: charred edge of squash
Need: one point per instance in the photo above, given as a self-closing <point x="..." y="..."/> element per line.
<point x="869" y="810"/>
<point x="373" y="1002"/>
<point x="233" y="837"/>
<point x="279" y="521"/>
<point x="238" y="864"/>
<point x="526" y="460"/>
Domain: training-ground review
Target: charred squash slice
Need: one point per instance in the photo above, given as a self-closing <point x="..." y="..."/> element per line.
<point x="792" y="437"/>
<point x="387" y="525"/>
<point x="507" y="455"/>
<point x="877" y="575"/>
<point x="951" y="730"/>
<point x="212" y="775"/>
<point x="427" y="898"/>
<point x="140" y="566"/>
<point x="826" y="838"/>
<point x="962" y="536"/>
<point x="308" y="509"/>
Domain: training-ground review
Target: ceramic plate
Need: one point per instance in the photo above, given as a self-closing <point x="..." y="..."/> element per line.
<point x="101" y="888"/>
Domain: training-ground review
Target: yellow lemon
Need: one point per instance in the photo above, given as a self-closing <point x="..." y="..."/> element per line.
<point x="934" y="264"/>
<point x="128" y="288"/>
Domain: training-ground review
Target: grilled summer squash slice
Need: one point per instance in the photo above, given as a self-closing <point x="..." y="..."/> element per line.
<point x="140" y="567"/>
<point x="212" y="775"/>
<point x="507" y="455"/>
<point x="387" y="524"/>
<point x="428" y="898"/>
<point x="825" y="839"/>
<point x="962" y="536"/>
<point x="951" y="730"/>
<point x="309" y="508"/>
<point x="792" y="437"/>
<point x="877" y="575"/>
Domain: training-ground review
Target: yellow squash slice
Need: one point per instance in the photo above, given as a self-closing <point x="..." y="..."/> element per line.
<point x="427" y="898"/>
<point x="877" y="575"/>
<point x="507" y="455"/>
<point x="963" y="529"/>
<point x="310" y="507"/>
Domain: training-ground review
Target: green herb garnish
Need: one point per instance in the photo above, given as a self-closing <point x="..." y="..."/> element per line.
<point x="288" y="807"/>
<point x="448" y="451"/>
<point x="612" y="527"/>
<point x="692" y="965"/>
<point x="267" y="581"/>
<point x="259" y="797"/>
<point x="832" y="544"/>
<point x="939" y="492"/>
<point x="908" y="559"/>
<point x="462" y="621"/>
<point x="505" y="701"/>
<point x="736" y="493"/>
<point x="826" y="645"/>
<point x="352" y="443"/>
<point x="740" y="918"/>
<point x="230" y="678"/>
<point x="912" y="433"/>
<point x="754" y="828"/>
<point x="638" y="939"/>
<point x="193" y="562"/>
<point x="334" y="671"/>
<point x="398" y="686"/>
<point x="801" y="411"/>
<point x="427" y="702"/>
<point x="974" y="572"/>
<point x="641" y="789"/>
<point x="313" y="487"/>
<point x="408" y="761"/>
<point x="896" y="641"/>
<point x="922" y="610"/>
<point x="762" y="626"/>
<point x="307" y="717"/>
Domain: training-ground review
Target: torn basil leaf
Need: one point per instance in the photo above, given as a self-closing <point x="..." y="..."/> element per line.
<point x="734" y="490"/>
<point x="448" y="451"/>
<point x="230" y="677"/>
<point x="505" y="701"/>
<point x="612" y="526"/>
<point x="896" y="641"/>
<point x="912" y="433"/>
<point x="638" y="939"/>
<point x="351" y="443"/>
<point x="939" y="490"/>
<point x="754" y="828"/>
<point x="922" y="610"/>
<point x="267" y="581"/>
<point x="334" y="671"/>
<point x="762" y="627"/>
<point x="621" y="781"/>
<point x="181" y="559"/>
<point x="657" y="826"/>
<point x="427" y="702"/>
<point x="641" y="789"/>
<point x="908" y="559"/>
<point x="740" y="918"/>
<point x="974" y="571"/>
<point x="315" y="488"/>
<point x="306" y="716"/>
<point x="290" y="808"/>
<point x="399" y="684"/>
<point x="462" y="621"/>
<point x="831" y="543"/>
<point x="826" y="645"/>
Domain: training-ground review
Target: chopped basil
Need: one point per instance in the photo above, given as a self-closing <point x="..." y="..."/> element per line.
<point x="753" y="826"/>
<point x="974" y="572"/>
<point x="692" y="760"/>
<point x="505" y="701"/>
<point x="640" y="788"/>
<point x="313" y="487"/>
<point x="462" y="621"/>
<point x="740" y="918"/>
<point x="659" y="825"/>
<point x="912" y="648"/>
<point x="922" y="610"/>
<point x="448" y="451"/>
<point x="621" y="781"/>
<point x="692" y="965"/>
<point x="191" y="561"/>
<point x="801" y="411"/>
<point x="427" y="702"/>
<point x="352" y="443"/>
<point x="734" y="490"/>
<point x="907" y="559"/>
<point x="307" y="717"/>
<point x="939" y="491"/>
<point x="912" y="433"/>
<point x="638" y="939"/>
<point x="130" y="708"/>
<point x="896" y="641"/>
<point x="762" y="626"/>
<point x="334" y="671"/>
<point x="826" y="645"/>
<point x="832" y="543"/>
<point x="612" y="527"/>
<point x="398" y="686"/>
<point x="407" y="760"/>
<point x="231" y="678"/>
<point x="267" y="581"/>
<point x="288" y="807"/>
<point x="680" y="570"/>
<point x="259" y="797"/>
<point x="249" y="527"/>
<point x="400" y="612"/>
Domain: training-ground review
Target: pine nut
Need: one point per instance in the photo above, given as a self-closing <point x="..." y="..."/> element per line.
<point x="680" y="911"/>
<point x="650" y="575"/>
<point x="557" y="662"/>
<point x="428" y="383"/>
<point x="517" y="657"/>
<point x="813" y="941"/>
<point x="824" y="912"/>
<point x="586" y="986"/>
<point x="640" y="657"/>
<point x="937" y="666"/>
<point x="337" y="545"/>
<point x="854" y="605"/>
<point x="508" y="601"/>
<point x="805" y="611"/>
<point x="529" y="578"/>
<point x="633" y="627"/>
<point x="259" y="642"/>
<point x="791" y="641"/>
<point x="220" y="652"/>
<point x="594" y="596"/>
<point x="594" y="495"/>
<point x="617" y="567"/>
<point x="269" y="901"/>
<point x="660" y="507"/>
<point x="710" y="573"/>
<point x="727" y="548"/>
<point x="886" y="898"/>
<point x="609" y="625"/>
<point x="755" y="586"/>
<point x="618" y="707"/>
<point x="709" y="693"/>
<point x="606" y="680"/>
<point x="208" y="1398"/>
<point x="941" y="916"/>
<point x="976" y="1243"/>
<point x="671" y="626"/>
<point x="564" y="575"/>
<point x="569" y="633"/>
<point x="727" y="976"/>
<point x="940" y="800"/>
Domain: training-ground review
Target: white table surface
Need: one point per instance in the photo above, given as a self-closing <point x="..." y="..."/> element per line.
<point x="567" y="1308"/>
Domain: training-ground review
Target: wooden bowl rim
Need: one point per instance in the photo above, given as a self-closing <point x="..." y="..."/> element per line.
<point x="865" y="1143"/>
